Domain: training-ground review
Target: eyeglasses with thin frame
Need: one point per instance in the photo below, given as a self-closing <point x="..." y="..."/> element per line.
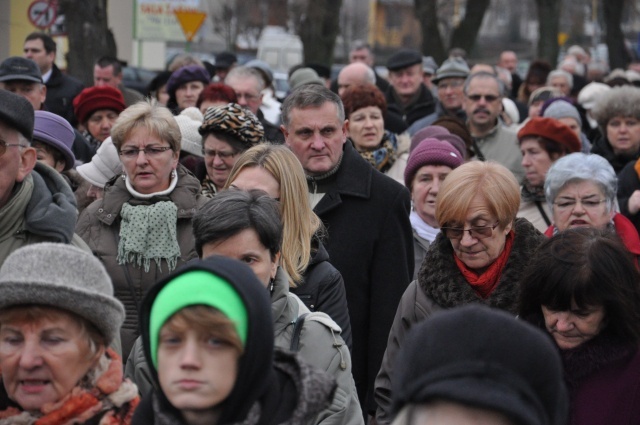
<point x="570" y="204"/>
<point x="247" y="96"/>
<point x="490" y="98"/>
<point x="476" y="232"/>
<point x="4" y="145"/>
<point x="210" y="153"/>
<point x="450" y="84"/>
<point x="149" y="151"/>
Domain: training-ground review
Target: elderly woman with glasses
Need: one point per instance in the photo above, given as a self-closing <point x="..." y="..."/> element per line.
<point x="478" y="257"/>
<point x="581" y="192"/>
<point x="141" y="228"/>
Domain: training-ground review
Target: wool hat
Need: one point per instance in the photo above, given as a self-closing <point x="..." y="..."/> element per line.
<point x="403" y="58"/>
<point x="189" y="121"/>
<point x="591" y="93"/>
<point x="457" y="127"/>
<point x="62" y="276"/>
<point x="55" y="131"/>
<point x="429" y="65"/>
<point x="304" y="76"/>
<point x="264" y="69"/>
<point x="431" y="131"/>
<point x="236" y="121"/>
<point x="95" y="98"/>
<point x="19" y="68"/>
<point x="560" y="107"/>
<point x="455" y="141"/>
<point x="452" y="68"/>
<point x="484" y="358"/>
<point x="17" y="112"/>
<point x="104" y="165"/>
<point x="552" y="129"/>
<point x="186" y="74"/>
<point x="225" y="60"/>
<point x="431" y="151"/>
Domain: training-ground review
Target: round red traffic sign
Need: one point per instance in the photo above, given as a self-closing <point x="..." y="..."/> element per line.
<point x="43" y="13"/>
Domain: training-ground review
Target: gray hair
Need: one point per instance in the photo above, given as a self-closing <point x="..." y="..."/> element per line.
<point x="617" y="102"/>
<point x="560" y="73"/>
<point x="23" y="140"/>
<point x="232" y="211"/>
<point x="310" y="96"/>
<point x="360" y="44"/>
<point x="578" y="167"/>
<point x="246" y="72"/>
<point x="485" y="75"/>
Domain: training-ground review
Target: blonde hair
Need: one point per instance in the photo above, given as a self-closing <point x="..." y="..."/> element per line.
<point x="148" y="114"/>
<point x="299" y="221"/>
<point x="494" y="182"/>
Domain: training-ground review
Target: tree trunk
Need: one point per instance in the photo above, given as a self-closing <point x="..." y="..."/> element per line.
<point x="432" y="44"/>
<point x="548" y="25"/>
<point x="618" y="54"/>
<point x="465" y="35"/>
<point x="319" y="29"/>
<point x="89" y="36"/>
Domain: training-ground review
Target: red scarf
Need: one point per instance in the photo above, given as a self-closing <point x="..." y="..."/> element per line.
<point x="485" y="283"/>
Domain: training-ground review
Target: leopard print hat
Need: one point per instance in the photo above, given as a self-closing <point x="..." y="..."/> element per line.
<point x="234" y="120"/>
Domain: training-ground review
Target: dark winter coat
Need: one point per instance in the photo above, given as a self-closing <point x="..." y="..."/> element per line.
<point x="370" y="242"/>
<point x="441" y="285"/>
<point x="628" y="182"/>
<point x="422" y="106"/>
<point x="322" y="289"/>
<point x="602" y="147"/>
<point x="61" y="89"/>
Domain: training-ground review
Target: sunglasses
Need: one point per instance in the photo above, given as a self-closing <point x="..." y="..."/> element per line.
<point x="476" y="232"/>
<point x="490" y="98"/>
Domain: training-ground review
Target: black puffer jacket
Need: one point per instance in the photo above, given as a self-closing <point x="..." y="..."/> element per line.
<point x="323" y="290"/>
<point x="603" y="148"/>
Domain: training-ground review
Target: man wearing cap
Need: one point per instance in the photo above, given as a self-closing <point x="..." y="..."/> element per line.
<point x="107" y="71"/>
<point x="225" y="62"/>
<point x="61" y="88"/>
<point x="449" y="80"/>
<point x="407" y="96"/>
<point x="358" y="73"/>
<point x="366" y="215"/>
<point x="248" y="85"/>
<point x="483" y="93"/>
<point x="36" y="204"/>
<point x="22" y="77"/>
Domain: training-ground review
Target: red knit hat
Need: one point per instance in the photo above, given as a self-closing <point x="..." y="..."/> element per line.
<point x="551" y="129"/>
<point x="92" y="99"/>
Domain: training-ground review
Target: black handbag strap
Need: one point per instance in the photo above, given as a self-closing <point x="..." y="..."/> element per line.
<point x="297" y="329"/>
<point x="477" y="150"/>
<point x="543" y="213"/>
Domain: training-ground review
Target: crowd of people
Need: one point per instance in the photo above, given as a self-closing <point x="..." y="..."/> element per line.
<point x="450" y="244"/>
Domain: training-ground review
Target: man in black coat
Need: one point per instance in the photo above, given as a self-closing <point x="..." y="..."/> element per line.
<point x="366" y="215"/>
<point x="61" y="88"/>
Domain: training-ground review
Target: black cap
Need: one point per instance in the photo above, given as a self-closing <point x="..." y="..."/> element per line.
<point x="18" y="68"/>
<point x="322" y="70"/>
<point x="225" y="60"/>
<point x="17" y="112"/>
<point x="403" y="59"/>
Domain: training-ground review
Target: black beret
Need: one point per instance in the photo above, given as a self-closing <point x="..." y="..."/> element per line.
<point x="17" y="112"/>
<point x="404" y="58"/>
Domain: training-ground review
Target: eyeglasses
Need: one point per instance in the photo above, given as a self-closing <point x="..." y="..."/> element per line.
<point x="247" y="96"/>
<point x="570" y="204"/>
<point x="221" y="154"/>
<point x="150" y="151"/>
<point x="450" y="84"/>
<point x="476" y="232"/>
<point x="488" y="97"/>
<point x="4" y="145"/>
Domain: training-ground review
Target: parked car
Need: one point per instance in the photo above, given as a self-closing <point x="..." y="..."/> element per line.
<point x="137" y="78"/>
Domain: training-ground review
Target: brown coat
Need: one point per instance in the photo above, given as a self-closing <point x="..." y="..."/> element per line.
<point x="99" y="227"/>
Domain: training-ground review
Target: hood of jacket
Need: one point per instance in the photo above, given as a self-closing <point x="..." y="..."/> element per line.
<point x="255" y="368"/>
<point x="442" y="281"/>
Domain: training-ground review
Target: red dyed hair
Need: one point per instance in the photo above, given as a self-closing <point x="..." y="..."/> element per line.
<point x="217" y="92"/>
<point x="361" y="96"/>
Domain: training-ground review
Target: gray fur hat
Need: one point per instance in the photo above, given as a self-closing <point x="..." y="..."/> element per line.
<point x="62" y="276"/>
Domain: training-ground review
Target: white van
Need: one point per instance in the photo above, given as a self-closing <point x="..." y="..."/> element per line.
<point x="279" y="49"/>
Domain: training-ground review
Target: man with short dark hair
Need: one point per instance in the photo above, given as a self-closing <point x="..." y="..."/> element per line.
<point x="407" y="95"/>
<point x="36" y="204"/>
<point x="483" y="93"/>
<point x="107" y="71"/>
<point x="61" y="88"/>
<point x="366" y="215"/>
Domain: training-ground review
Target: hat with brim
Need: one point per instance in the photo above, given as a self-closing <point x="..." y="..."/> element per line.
<point x="403" y="59"/>
<point x="56" y="132"/>
<point x="20" y="69"/>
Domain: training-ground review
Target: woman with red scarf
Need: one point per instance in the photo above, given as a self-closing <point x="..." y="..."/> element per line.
<point x="478" y="257"/>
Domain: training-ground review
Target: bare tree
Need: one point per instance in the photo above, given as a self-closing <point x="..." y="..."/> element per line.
<point x="548" y="24"/>
<point x="318" y="30"/>
<point x="89" y="36"/>
<point x="618" y="55"/>
<point x="463" y="36"/>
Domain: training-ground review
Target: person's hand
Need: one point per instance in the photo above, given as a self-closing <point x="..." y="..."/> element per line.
<point x="634" y="202"/>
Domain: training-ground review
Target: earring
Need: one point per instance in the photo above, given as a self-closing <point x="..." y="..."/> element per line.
<point x="271" y="284"/>
<point x="173" y="173"/>
<point x="124" y="176"/>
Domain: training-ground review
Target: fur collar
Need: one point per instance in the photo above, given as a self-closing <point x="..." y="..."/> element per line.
<point x="443" y="282"/>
